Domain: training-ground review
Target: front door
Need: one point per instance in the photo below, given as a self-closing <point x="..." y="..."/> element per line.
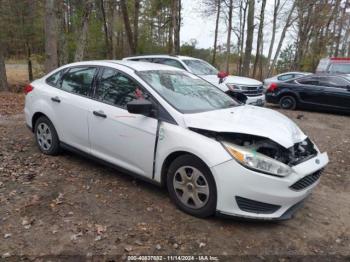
<point x="124" y="139"/>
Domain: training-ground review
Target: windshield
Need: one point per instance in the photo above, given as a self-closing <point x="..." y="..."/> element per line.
<point x="340" y="68"/>
<point x="187" y="92"/>
<point x="199" y="67"/>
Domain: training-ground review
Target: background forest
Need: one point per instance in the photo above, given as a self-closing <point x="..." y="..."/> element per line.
<point x="292" y="35"/>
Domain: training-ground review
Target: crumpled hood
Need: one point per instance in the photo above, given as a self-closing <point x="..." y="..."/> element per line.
<point x="237" y="80"/>
<point x="249" y="120"/>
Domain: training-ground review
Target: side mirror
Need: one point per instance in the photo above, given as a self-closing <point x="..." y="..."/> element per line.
<point x="140" y="106"/>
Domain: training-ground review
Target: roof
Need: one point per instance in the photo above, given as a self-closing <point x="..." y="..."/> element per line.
<point x="133" y="65"/>
<point x="162" y="56"/>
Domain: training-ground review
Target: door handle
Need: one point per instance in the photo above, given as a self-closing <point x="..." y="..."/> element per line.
<point x="99" y="114"/>
<point x="56" y="99"/>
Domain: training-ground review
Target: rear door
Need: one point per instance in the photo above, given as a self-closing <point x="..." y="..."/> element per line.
<point x="124" y="139"/>
<point x="70" y="103"/>
<point x="310" y="90"/>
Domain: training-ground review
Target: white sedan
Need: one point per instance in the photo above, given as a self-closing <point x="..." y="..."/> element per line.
<point x="173" y="128"/>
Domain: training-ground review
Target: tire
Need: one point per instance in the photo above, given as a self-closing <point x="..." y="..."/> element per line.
<point x="46" y="136"/>
<point x="191" y="186"/>
<point x="288" y="102"/>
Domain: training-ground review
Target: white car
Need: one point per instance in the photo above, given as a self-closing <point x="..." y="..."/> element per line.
<point x="172" y="128"/>
<point x="283" y="77"/>
<point x="244" y="89"/>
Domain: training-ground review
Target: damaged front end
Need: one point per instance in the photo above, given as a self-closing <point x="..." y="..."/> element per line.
<point x="261" y="153"/>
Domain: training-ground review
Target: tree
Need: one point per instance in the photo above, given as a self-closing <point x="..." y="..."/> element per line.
<point x="51" y="58"/>
<point x="274" y="27"/>
<point x="218" y="8"/>
<point x="249" y="41"/>
<point x="229" y="30"/>
<point x="288" y="23"/>
<point x="128" y="31"/>
<point x="82" y="39"/>
<point x="260" y="38"/>
<point x="177" y="27"/>
<point x="3" y="77"/>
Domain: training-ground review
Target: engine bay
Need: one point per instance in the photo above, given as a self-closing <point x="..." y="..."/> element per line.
<point x="292" y="156"/>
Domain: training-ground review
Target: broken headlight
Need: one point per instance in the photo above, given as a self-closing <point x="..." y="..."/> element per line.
<point x="256" y="161"/>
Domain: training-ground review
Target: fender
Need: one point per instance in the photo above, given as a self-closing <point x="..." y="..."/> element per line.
<point x="174" y="138"/>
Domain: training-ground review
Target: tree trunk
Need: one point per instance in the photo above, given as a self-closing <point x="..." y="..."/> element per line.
<point x="136" y="23"/>
<point x="128" y="30"/>
<point x="51" y="58"/>
<point x="216" y="30"/>
<point x="340" y="29"/>
<point x="285" y="28"/>
<point x="274" y="26"/>
<point x="3" y="78"/>
<point x="177" y="27"/>
<point x="249" y="41"/>
<point x="260" y="38"/>
<point x="172" y="26"/>
<point x="82" y="41"/>
<point x="105" y="30"/>
<point x="242" y="29"/>
<point x="228" y="41"/>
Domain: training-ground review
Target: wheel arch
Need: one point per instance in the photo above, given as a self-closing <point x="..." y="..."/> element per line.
<point x="35" y="117"/>
<point x="289" y="93"/>
<point x="170" y="158"/>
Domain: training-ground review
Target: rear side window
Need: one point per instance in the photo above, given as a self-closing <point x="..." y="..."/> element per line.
<point x="117" y="89"/>
<point x="53" y="79"/>
<point x="78" y="80"/>
<point x="285" y="77"/>
<point x="308" y="81"/>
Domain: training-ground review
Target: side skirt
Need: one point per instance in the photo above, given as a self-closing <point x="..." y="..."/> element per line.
<point x="106" y="163"/>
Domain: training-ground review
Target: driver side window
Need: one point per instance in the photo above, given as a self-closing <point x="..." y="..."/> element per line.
<point x="117" y="89"/>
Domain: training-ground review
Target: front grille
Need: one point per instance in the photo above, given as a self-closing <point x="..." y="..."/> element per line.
<point x="306" y="181"/>
<point x="253" y="206"/>
<point x="252" y="90"/>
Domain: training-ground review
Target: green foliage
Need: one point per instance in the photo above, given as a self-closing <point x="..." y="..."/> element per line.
<point x="286" y="59"/>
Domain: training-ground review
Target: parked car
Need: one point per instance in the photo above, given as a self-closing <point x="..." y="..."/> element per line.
<point x="244" y="89"/>
<point x="171" y="127"/>
<point x="331" y="92"/>
<point x="334" y="65"/>
<point x="283" y="77"/>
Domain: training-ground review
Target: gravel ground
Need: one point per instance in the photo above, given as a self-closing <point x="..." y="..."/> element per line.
<point x="68" y="205"/>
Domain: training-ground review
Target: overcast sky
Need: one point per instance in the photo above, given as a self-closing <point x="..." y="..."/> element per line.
<point x="196" y="26"/>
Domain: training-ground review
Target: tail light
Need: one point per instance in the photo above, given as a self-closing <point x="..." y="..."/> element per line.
<point x="272" y="87"/>
<point x="28" y="88"/>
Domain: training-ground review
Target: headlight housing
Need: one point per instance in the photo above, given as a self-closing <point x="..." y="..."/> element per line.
<point x="233" y="87"/>
<point x="256" y="161"/>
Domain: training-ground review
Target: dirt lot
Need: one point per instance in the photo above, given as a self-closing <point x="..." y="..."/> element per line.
<point x="70" y="205"/>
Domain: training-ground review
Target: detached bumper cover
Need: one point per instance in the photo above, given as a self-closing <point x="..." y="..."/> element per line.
<point x="234" y="180"/>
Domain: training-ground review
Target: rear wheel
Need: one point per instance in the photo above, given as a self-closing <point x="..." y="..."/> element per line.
<point x="46" y="136"/>
<point x="191" y="186"/>
<point x="288" y="102"/>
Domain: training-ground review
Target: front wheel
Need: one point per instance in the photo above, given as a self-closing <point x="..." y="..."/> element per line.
<point x="191" y="186"/>
<point x="288" y="102"/>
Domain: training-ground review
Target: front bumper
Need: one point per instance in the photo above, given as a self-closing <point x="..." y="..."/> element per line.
<point x="256" y="100"/>
<point x="233" y="180"/>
